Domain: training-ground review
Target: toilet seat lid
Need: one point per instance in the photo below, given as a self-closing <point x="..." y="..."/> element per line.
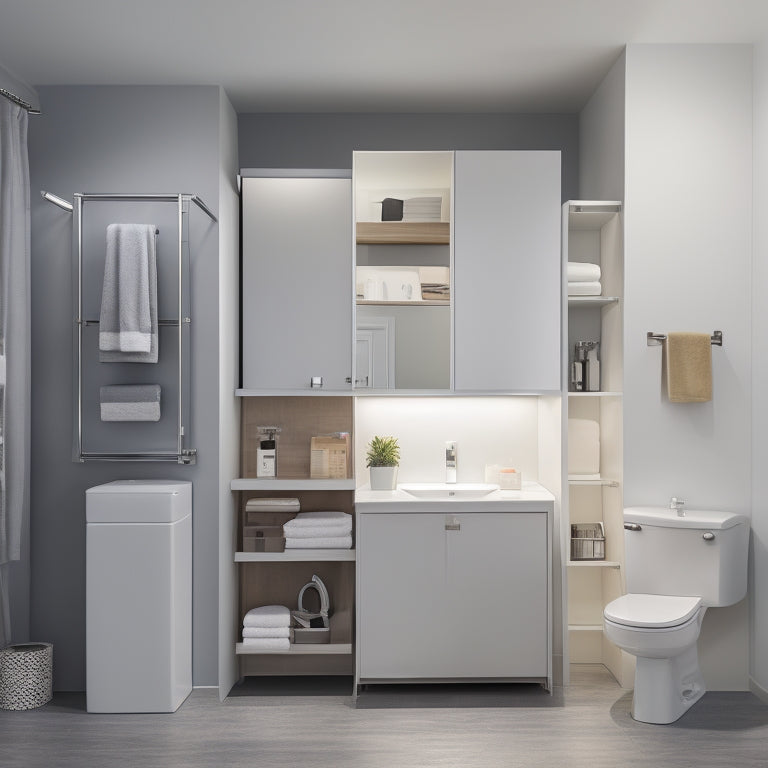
<point x="651" y="610"/>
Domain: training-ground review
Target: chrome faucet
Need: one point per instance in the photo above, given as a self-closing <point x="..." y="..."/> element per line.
<point x="677" y="505"/>
<point x="450" y="461"/>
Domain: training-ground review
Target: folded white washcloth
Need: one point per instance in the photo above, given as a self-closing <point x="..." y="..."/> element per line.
<point x="320" y="518"/>
<point x="268" y="643"/>
<point x="585" y="289"/>
<point x="335" y="542"/>
<point x="268" y="616"/>
<point x="581" y="272"/>
<point x="266" y="632"/>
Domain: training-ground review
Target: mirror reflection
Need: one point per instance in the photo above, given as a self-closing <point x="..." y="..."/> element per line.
<point x="402" y="275"/>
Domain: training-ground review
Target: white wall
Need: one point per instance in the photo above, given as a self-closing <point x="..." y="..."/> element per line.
<point x="688" y="228"/>
<point x="488" y="430"/>
<point x="759" y="553"/>
<point x="601" y="138"/>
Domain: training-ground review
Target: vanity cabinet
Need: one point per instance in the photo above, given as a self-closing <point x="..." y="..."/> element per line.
<point x="506" y="271"/>
<point x="444" y="595"/>
<point x="296" y="279"/>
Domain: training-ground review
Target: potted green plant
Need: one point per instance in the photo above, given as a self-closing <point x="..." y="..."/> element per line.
<point x="383" y="459"/>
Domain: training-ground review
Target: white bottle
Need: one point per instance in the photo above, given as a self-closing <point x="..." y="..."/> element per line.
<point x="266" y="455"/>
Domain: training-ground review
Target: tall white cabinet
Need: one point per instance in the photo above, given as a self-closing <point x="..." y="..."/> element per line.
<point x="506" y="260"/>
<point x="297" y="279"/>
<point x="592" y="233"/>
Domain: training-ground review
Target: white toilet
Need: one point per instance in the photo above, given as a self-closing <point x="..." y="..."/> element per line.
<point x="678" y="564"/>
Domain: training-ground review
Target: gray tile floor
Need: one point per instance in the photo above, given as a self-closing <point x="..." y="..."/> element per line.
<point x="587" y="724"/>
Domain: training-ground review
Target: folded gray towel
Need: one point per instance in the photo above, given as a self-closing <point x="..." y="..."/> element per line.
<point x="128" y="319"/>
<point x="130" y="402"/>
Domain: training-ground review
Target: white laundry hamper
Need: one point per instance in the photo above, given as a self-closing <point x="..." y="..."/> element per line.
<point x="26" y="675"/>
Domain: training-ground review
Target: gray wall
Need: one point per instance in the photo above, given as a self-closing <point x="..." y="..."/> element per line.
<point x="327" y="141"/>
<point x="121" y="139"/>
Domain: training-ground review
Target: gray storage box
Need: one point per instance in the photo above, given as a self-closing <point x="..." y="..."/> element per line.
<point x="263" y="538"/>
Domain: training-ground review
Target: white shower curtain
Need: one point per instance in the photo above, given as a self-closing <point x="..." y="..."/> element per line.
<point x="14" y="345"/>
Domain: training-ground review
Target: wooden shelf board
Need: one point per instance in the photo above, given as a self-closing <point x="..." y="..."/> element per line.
<point x="297" y="556"/>
<point x="291" y="484"/>
<point x="394" y="232"/>
<point x="420" y="303"/>
<point x="300" y="649"/>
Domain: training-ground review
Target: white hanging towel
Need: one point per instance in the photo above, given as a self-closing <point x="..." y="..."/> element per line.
<point x="128" y="318"/>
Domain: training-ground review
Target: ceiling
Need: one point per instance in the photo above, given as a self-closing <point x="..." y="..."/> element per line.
<point x="359" y="55"/>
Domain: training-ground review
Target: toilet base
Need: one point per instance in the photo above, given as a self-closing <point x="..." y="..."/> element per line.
<point x="666" y="688"/>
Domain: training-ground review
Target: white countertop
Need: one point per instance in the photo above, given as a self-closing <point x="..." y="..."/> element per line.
<point x="531" y="498"/>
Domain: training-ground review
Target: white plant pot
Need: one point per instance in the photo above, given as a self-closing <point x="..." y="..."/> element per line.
<point x="383" y="478"/>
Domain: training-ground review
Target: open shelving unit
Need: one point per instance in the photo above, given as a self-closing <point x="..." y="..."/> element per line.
<point x="268" y="578"/>
<point x="592" y="233"/>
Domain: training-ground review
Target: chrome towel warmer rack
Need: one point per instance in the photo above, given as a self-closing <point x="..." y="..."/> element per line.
<point x="183" y="454"/>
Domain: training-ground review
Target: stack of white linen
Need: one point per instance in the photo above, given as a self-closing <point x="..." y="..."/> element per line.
<point x="267" y="628"/>
<point x="319" y="530"/>
<point x="584" y="279"/>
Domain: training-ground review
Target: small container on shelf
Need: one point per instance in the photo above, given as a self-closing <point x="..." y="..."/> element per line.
<point x="263" y="538"/>
<point x="510" y="479"/>
<point x="587" y="541"/>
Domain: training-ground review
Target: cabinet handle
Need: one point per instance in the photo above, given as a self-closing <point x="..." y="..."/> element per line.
<point x="452" y="525"/>
<point x="632" y="527"/>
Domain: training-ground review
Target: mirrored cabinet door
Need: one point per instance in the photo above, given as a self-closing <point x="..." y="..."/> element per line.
<point x="402" y="288"/>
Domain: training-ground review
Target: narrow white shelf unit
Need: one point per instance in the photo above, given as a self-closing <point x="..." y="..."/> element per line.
<point x="290" y="484"/>
<point x="298" y="556"/>
<point x="300" y="649"/>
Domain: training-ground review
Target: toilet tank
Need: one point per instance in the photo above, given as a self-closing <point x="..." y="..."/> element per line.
<point x="702" y="554"/>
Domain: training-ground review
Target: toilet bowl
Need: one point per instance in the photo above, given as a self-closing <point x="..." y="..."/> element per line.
<point x="678" y="563"/>
<point x="661" y="631"/>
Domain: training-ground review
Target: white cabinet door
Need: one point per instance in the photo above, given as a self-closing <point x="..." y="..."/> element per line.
<point x="453" y="596"/>
<point x="297" y="282"/>
<point x="506" y="240"/>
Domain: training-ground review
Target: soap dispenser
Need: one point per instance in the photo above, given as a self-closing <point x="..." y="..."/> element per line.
<point x="266" y="454"/>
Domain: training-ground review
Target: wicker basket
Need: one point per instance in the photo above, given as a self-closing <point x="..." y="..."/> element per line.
<point x="26" y="675"/>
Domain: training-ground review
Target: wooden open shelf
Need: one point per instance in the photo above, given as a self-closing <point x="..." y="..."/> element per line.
<point x="393" y="232"/>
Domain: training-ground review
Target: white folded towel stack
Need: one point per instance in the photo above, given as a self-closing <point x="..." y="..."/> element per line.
<point x="319" y="530"/>
<point x="584" y="279"/>
<point x="267" y="628"/>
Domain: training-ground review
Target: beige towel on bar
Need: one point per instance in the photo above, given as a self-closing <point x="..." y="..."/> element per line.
<point x="689" y="367"/>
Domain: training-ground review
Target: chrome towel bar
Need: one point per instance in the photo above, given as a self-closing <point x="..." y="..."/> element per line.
<point x="716" y="339"/>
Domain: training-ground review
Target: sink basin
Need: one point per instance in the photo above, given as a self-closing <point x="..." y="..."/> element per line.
<point x="464" y="491"/>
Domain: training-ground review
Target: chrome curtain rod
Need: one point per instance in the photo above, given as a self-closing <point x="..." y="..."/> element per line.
<point x="18" y="100"/>
<point x="67" y="206"/>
